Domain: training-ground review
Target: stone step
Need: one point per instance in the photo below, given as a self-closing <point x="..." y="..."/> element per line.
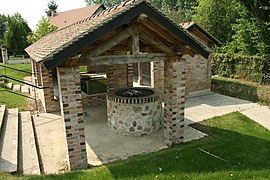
<point x="16" y="87"/>
<point x="9" y="142"/>
<point x="9" y="85"/>
<point x="25" y="89"/>
<point x="28" y="157"/>
<point x="2" y="114"/>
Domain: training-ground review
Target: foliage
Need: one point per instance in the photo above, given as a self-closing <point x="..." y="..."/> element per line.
<point x="16" y="34"/>
<point x="43" y="28"/>
<point x="3" y="20"/>
<point x="52" y="6"/>
<point x="254" y="68"/>
<point x="217" y="17"/>
<point x="242" y="143"/>
<point x="178" y="10"/>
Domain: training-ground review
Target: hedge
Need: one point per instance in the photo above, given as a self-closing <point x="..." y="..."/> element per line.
<point x="252" y="68"/>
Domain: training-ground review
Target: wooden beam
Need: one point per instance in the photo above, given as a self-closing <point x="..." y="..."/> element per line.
<point x="123" y="59"/>
<point x="108" y="44"/>
<point x="135" y="44"/>
<point x="156" y="43"/>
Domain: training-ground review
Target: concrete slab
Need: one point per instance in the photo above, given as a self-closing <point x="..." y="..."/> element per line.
<point x="260" y="114"/>
<point x="29" y="164"/>
<point x="9" y="142"/>
<point x="104" y="146"/>
<point x="16" y="87"/>
<point x="208" y="106"/>
<point x="51" y="140"/>
<point x="25" y="89"/>
<point x="9" y="85"/>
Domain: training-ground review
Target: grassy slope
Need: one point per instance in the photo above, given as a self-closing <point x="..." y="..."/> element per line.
<point x="16" y="74"/>
<point x="242" y="143"/>
<point x="12" y="100"/>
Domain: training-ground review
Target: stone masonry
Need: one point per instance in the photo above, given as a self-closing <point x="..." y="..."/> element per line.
<point x="174" y="90"/>
<point x="72" y="113"/>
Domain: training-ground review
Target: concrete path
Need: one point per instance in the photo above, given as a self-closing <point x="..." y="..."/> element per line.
<point x="208" y="106"/>
<point x="52" y="144"/>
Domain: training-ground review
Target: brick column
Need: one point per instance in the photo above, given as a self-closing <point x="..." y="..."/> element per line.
<point x="72" y="113"/>
<point x="130" y="75"/>
<point x="117" y="76"/>
<point x="174" y="90"/>
<point x="157" y="74"/>
<point x="50" y="104"/>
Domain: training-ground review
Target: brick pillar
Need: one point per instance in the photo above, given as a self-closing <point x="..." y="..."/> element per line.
<point x="174" y="90"/>
<point x="72" y="113"/>
<point x="157" y="74"/>
<point x="117" y="76"/>
<point x="50" y="104"/>
<point x="130" y="75"/>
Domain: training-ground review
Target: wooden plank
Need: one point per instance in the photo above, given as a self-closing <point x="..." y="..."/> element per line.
<point x="125" y="59"/>
<point x="156" y="43"/>
<point x="108" y="44"/>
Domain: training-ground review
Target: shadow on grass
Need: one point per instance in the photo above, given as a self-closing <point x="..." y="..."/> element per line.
<point x="243" y="145"/>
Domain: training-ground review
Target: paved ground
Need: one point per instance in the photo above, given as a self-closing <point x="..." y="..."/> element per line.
<point x="104" y="146"/>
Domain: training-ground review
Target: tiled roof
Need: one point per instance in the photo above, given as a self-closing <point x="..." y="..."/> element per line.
<point x="190" y="26"/>
<point x="58" y="43"/>
<point x="66" y="18"/>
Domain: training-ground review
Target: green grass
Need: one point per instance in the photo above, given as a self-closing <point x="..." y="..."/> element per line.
<point x="16" y="74"/>
<point x="238" y="88"/>
<point x="11" y="99"/>
<point x="243" y="144"/>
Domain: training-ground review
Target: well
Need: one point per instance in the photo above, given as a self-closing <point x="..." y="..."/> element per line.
<point x="134" y="111"/>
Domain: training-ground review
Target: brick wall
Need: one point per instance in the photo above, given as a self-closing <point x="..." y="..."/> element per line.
<point x="72" y="113"/>
<point x="94" y="99"/>
<point x="117" y="76"/>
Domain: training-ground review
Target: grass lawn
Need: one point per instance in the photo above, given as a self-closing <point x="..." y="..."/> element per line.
<point x="16" y="74"/>
<point x="237" y="148"/>
<point x="12" y="100"/>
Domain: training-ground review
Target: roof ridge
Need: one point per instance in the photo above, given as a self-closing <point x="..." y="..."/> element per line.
<point x="106" y="11"/>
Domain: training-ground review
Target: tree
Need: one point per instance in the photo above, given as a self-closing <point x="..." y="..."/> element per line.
<point x="43" y="28"/>
<point x="218" y="17"/>
<point x="106" y="3"/>
<point x="15" y="38"/>
<point x="3" y="21"/>
<point x="52" y="6"/>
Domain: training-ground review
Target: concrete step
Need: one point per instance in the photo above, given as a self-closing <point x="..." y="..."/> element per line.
<point x="9" y="85"/>
<point x="28" y="157"/>
<point x="25" y="89"/>
<point x="9" y="142"/>
<point x="17" y="87"/>
<point x="2" y="114"/>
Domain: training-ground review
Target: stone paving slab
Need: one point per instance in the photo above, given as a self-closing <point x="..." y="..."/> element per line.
<point x="16" y="87"/>
<point x="52" y="142"/>
<point x="9" y="85"/>
<point x="29" y="164"/>
<point x="9" y="142"/>
<point x="25" y="89"/>
<point x="260" y="114"/>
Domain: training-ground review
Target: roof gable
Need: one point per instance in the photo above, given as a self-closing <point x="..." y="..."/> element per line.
<point x="194" y="28"/>
<point x="60" y="45"/>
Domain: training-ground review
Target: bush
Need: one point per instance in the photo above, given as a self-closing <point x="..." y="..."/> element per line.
<point x="252" y="68"/>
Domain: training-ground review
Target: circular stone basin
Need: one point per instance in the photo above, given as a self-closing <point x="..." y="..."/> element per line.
<point x="134" y="111"/>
